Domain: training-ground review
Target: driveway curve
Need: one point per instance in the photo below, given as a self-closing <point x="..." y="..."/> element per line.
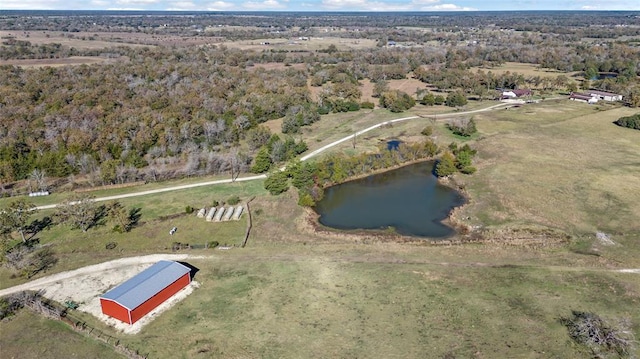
<point x="303" y="158"/>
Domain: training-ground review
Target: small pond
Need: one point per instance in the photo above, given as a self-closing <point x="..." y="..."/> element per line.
<point x="409" y="199"/>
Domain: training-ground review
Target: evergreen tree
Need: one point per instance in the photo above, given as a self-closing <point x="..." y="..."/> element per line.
<point x="262" y="162"/>
<point x="446" y="165"/>
<point x="276" y="183"/>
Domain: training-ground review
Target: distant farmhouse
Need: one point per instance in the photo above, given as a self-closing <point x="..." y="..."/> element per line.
<point x="593" y="96"/>
<point x="606" y="96"/>
<point x="583" y="97"/>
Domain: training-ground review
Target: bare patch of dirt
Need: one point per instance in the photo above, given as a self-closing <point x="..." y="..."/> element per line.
<point x="85" y="286"/>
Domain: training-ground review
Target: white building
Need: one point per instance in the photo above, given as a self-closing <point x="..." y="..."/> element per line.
<point x="606" y="96"/>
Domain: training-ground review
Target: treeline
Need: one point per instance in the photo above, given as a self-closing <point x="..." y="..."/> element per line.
<point x="310" y="178"/>
<point x="156" y="110"/>
<point x="609" y="23"/>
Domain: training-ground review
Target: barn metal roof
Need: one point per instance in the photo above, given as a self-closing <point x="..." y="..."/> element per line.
<point x="144" y="285"/>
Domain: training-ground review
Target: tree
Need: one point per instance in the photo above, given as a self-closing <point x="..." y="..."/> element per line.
<point x="40" y="179"/>
<point x="16" y="217"/>
<point x="122" y="218"/>
<point x="303" y="174"/>
<point x="456" y="99"/>
<point x="277" y="182"/>
<point x="380" y="87"/>
<point x="79" y="211"/>
<point x="396" y="101"/>
<point x="446" y="165"/>
<point x="262" y="162"/>
<point x="429" y="99"/>
<point x="258" y="137"/>
<point x="462" y="127"/>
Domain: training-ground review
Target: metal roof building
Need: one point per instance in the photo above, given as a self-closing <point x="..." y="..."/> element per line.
<point x="134" y="298"/>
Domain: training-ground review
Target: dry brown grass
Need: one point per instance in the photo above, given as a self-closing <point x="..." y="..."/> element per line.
<point x="408" y="85"/>
<point x="73" y="60"/>
<point x="101" y="41"/>
<point x="296" y="44"/>
<point x="560" y="165"/>
<point x="528" y="70"/>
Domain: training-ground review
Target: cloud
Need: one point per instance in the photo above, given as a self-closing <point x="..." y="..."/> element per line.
<point x="29" y="5"/>
<point x="182" y="5"/>
<point x="447" y="7"/>
<point x="414" y="5"/>
<point x="589" y="7"/>
<point x="263" y="5"/>
<point x="220" y="5"/>
<point x="136" y="2"/>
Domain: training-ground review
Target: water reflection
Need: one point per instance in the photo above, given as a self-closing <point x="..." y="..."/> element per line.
<point x="409" y="199"/>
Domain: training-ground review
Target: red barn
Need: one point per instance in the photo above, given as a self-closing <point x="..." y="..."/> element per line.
<point x="139" y="295"/>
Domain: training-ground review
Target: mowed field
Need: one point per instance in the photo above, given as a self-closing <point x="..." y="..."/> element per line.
<point x="58" y="62"/>
<point x="557" y="164"/>
<point x="527" y="70"/>
<point x="295" y="293"/>
<point x="298" y="44"/>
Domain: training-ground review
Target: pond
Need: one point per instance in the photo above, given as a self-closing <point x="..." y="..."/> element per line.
<point x="408" y="199"/>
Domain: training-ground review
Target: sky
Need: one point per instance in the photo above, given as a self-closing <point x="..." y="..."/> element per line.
<point x="320" y="5"/>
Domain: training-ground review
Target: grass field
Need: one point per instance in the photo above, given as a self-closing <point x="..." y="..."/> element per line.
<point x="295" y="293"/>
<point x="527" y="70"/>
<point x="312" y="44"/>
<point x="46" y="339"/>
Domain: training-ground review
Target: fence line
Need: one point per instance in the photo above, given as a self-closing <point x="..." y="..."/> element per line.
<point x="249" y="225"/>
<point x="52" y="311"/>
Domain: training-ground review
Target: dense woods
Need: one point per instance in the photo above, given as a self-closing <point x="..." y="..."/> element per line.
<point x="164" y="111"/>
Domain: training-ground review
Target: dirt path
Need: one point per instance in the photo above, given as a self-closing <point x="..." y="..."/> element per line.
<point x="303" y="158"/>
<point x="85" y="286"/>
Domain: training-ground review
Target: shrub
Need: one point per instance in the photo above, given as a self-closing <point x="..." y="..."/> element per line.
<point x="462" y="127"/>
<point x="446" y="165"/>
<point x="215" y="203"/>
<point x="306" y="200"/>
<point x="455" y="99"/>
<point x="629" y="121"/>
<point x="469" y="170"/>
<point x="188" y="210"/>
<point x="111" y="245"/>
<point x="427" y="131"/>
<point x="396" y="101"/>
<point x="367" y="105"/>
<point x="233" y="200"/>
<point x="276" y="183"/>
<point x="213" y="244"/>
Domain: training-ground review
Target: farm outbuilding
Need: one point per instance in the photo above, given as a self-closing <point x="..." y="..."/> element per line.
<point x="136" y="297"/>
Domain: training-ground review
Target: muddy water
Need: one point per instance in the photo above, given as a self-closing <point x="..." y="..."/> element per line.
<point x="408" y="199"/>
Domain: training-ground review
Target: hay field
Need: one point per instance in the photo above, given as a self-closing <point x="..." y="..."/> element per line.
<point x="79" y="40"/>
<point x="57" y="62"/>
<point x="561" y="165"/>
<point x="528" y="70"/>
<point x="297" y="44"/>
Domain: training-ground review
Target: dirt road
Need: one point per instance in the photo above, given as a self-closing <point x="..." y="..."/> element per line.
<point x="303" y="158"/>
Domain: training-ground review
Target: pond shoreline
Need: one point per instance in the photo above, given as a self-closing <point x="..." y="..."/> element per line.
<point x="459" y="229"/>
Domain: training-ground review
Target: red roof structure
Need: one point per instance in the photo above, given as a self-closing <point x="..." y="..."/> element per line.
<point x="136" y="297"/>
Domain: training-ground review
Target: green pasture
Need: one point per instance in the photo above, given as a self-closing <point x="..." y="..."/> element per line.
<point x="295" y="293"/>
